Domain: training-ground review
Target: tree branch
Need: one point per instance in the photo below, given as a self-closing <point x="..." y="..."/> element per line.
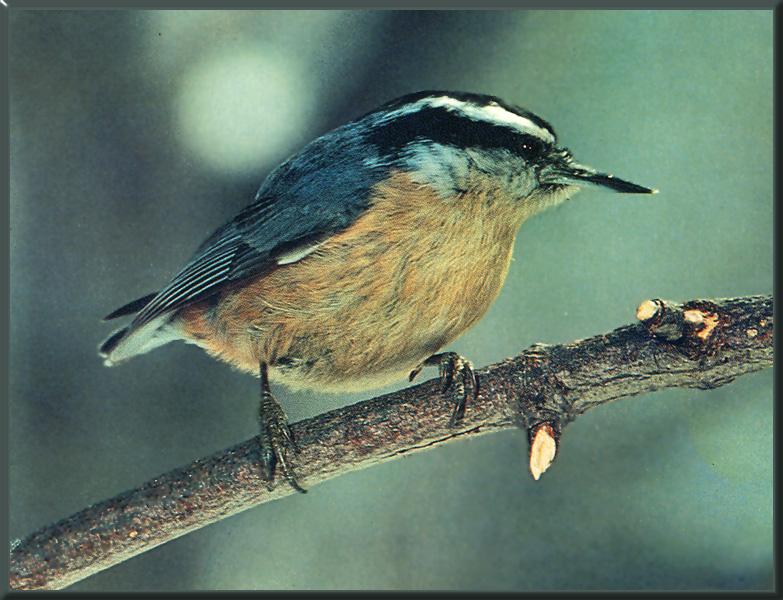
<point x="702" y="344"/>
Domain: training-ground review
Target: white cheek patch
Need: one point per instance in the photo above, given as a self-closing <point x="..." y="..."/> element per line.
<point x="438" y="166"/>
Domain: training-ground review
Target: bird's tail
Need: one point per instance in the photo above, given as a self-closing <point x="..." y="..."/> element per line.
<point x="111" y="343"/>
<point x="130" y="341"/>
<point x="131" y="308"/>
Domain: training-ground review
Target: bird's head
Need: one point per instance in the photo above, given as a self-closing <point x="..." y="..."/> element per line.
<point x="456" y="141"/>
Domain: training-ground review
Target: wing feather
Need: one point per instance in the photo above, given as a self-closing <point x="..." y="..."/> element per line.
<point x="206" y="270"/>
<point x="305" y="200"/>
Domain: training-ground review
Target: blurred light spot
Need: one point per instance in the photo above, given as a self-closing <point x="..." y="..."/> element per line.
<point x="238" y="111"/>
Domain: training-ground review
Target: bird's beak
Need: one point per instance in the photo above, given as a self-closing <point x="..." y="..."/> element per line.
<point x="567" y="172"/>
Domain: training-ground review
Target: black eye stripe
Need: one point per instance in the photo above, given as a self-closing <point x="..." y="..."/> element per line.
<point x="443" y="126"/>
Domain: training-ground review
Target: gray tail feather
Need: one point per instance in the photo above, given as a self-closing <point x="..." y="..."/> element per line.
<point x="131" y="308"/>
<point x="129" y="337"/>
<point x="110" y="344"/>
<point x="132" y="340"/>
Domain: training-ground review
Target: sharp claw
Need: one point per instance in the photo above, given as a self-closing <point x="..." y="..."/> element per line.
<point x="289" y="475"/>
<point x="413" y="373"/>
<point x="294" y="484"/>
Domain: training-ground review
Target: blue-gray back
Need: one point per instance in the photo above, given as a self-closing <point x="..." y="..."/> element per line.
<point x="314" y="194"/>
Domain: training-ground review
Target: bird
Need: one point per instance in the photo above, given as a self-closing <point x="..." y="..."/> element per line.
<point x="365" y="254"/>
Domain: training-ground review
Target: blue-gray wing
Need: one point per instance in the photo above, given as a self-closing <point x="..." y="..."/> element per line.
<point x="307" y="199"/>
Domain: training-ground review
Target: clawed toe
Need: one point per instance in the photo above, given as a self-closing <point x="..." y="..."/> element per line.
<point x="457" y="377"/>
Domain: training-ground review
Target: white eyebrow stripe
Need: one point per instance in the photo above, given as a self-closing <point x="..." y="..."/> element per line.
<point x="492" y="113"/>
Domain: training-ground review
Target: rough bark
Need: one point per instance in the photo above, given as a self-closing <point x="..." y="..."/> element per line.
<point x="701" y="344"/>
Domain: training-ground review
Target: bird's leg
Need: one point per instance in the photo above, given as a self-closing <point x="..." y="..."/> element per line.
<point x="275" y="439"/>
<point x="456" y="376"/>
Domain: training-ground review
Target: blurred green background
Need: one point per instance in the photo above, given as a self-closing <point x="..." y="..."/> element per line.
<point x="134" y="134"/>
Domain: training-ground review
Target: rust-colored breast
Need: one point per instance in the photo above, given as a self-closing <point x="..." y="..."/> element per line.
<point x="407" y="278"/>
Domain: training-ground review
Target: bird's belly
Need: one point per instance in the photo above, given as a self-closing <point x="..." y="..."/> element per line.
<point x="364" y="309"/>
<point x="318" y="327"/>
<point x="378" y="332"/>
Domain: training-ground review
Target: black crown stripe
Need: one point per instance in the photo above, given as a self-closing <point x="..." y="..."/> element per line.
<point x="443" y="126"/>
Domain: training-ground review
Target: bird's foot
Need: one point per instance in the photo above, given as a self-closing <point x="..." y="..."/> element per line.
<point x="458" y="379"/>
<point x="275" y="439"/>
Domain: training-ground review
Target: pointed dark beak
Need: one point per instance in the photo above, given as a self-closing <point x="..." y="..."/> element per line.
<point x="566" y="172"/>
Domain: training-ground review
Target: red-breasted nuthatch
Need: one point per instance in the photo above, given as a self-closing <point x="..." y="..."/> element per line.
<point x="366" y="253"/>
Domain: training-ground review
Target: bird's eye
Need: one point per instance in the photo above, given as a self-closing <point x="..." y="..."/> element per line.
<point x="531" y="147"/>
